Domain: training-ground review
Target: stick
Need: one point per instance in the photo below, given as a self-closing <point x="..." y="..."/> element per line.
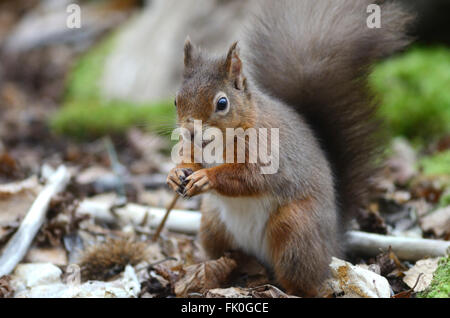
<point x="18" y="245"/>
<point x="161" y="225"/>
<point x="119" y="171"/>
<point x="405" y="248"/>
<point x="182" y="221"/>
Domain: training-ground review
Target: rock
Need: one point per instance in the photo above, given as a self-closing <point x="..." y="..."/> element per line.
<point x="42" y="291"/>
<point x="37" y="274"/>
<point x="350" y="281"/>
<point x="44" y="281"/>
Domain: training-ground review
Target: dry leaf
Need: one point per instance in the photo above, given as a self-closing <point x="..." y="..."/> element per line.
<point x="437" y="222"/>
<point x="9" y="167"/>
<point x="16" y="198"/>
<point x="6" y="289"/>
<point x="207" y="275"/>
<point x="269" y="291"/>
<point x="54" y="255"/>
<point x="250" y="272"/>
<point x="401" y="163"/>
<point x="426" y="267"/>
<point x="154" y="286"/>
<point x="92" y="174"/>
<point x="389" y="263"/>
<point x="232" y="292"/>
<point x="169" y="270"/>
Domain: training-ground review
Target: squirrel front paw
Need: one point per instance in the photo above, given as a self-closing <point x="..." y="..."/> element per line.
<point x="177" y="181"/>
<point x="198" y="183"/>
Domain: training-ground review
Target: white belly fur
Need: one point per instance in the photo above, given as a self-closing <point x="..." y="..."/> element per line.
<point x="246" y="218"/>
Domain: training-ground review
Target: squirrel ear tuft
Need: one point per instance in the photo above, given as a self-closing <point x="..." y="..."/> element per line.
<point x="233" y="66"/>
<point x="188" y="51"/>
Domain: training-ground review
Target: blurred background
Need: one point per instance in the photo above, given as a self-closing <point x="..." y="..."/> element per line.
<point x="62" y="91"/>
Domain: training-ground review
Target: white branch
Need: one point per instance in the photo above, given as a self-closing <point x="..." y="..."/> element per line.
<point x="183" y="221"/>
<point x="406" y="248"/>
<point x="18" y="245"/>
<point x="189" y="222"/>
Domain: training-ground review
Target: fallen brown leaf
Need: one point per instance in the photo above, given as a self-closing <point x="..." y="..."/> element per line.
<point x="269" y="291"/>
<point x="6" y="289"/>
<point x="170" y="270"/>
<point x="231" y="292"/>
<point x="408" y="293"/>
<point x="54" y="255"/>
<point x="249" y="272"/>
<point x="389" y="263"/>
<point x="201" y="277"/>
<point x="426" y="268"/>
<point x="437" y="222"/>
<point x="16" y="198"/>
<point x="9" y="169"/>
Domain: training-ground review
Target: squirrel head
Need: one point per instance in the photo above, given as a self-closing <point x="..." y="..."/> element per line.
<point x="214" y="90"/>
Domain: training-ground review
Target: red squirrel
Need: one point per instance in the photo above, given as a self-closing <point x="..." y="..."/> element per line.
<point x="303" y="69"/>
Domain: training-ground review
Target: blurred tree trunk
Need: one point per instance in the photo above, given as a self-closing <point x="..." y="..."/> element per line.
<point x="147" y="61"/>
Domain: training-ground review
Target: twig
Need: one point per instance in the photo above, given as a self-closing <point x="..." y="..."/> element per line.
<point x="161" y="225"/>
<point x="18" y="245"/>
<point x="405" y="248"/>
<point x="183" y="221"/>
<point x="407" y="293"/>
<point x="119" y="171"/>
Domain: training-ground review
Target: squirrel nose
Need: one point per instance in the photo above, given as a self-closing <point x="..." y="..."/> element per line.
<point x="188" y="132"/>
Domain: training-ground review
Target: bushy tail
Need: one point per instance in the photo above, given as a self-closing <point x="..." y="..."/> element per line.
<point x="315" y="55"/>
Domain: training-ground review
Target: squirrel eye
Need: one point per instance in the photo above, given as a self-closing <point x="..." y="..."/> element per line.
<point x="222" y="104"/>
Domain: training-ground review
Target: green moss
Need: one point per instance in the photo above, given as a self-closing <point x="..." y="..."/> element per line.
<point x="440" y="286"/>
<point x="86" y="114"/>
<point x="438" y="164"/>
<point x="90" y="119"/>
<point x="83" y="79"/>
<point x="414" y="92"/>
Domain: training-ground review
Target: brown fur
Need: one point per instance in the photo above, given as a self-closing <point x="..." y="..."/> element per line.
<point x="304" y="71"/>
<point x="301" y="246"/>
<point x="317" y="61"/>
<point x="213" y="235"/>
